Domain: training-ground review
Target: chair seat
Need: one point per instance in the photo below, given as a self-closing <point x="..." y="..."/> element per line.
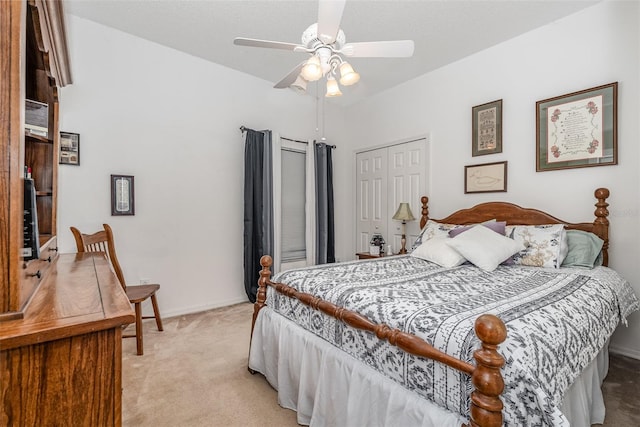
<point x="139" y="293"/>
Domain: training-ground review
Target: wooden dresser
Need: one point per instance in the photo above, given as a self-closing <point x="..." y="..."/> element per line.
<point x="60" y="365"/>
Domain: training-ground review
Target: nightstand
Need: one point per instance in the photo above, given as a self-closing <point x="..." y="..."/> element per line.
<point x="367" y="255"/>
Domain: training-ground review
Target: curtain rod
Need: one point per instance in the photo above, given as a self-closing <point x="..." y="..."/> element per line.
<point x="328" y="145"/>
<point x="244" y="129"/>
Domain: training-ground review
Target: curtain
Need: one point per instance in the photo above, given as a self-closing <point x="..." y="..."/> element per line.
<point x="258" y="206"/>
<point x="325" y="236"/>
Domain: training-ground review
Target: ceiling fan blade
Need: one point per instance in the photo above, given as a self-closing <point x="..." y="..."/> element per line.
<point x="386" y="49"/>
<point x="241" y="41"/>
<point x="329" y="17"/>
<point x="291" y="77"/>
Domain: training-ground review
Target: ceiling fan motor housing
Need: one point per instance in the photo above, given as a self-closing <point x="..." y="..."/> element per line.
<point x="311" y="40"/>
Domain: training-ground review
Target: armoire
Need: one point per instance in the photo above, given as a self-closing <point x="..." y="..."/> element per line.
<point x="61" y="315"/>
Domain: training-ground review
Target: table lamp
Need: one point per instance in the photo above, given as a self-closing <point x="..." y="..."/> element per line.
<point x="403" y="214"/>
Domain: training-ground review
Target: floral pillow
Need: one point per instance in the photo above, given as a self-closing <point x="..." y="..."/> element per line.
<point x="433" y="229"/>
<point x="544" y="245"/>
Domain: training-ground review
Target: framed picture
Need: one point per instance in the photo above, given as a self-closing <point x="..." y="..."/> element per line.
<point x="578" y="129"/>
<point x="486" y="125"/>
<point x="122" y="195"/>
<point x="69" y="148"/>
<point x="485" y="178"/>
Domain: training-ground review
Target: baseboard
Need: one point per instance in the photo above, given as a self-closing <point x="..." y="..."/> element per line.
<point x="623" y="351"/>
<point x="199" y="308"/>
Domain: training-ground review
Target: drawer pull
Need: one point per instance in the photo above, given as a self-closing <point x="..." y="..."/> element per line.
<point x="54" y="249"/>
<point x="36" y="274"/>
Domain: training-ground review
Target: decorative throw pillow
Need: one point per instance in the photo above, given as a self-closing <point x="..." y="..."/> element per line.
<point x="484" y="248"/>
<point x="436" y="250"/>
<point x="545" y="245"/>
<point x="433" y="229"/>
<point x="497" y="226"/>
<point x="584" y="249"/>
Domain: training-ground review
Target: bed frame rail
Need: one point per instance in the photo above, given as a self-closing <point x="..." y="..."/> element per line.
<point x="486" y="406"/>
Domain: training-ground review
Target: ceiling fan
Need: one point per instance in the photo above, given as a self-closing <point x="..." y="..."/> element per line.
<point x="326" y="44"/>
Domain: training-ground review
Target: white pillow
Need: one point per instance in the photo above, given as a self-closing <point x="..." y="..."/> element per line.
<point x="436" y="250"/>
<point x="484" y="248"/>
<point x="545" y="245"/>
<point x="431" y="230"/>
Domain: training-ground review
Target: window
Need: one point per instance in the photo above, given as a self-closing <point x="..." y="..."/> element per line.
<point x="293" y="204"/>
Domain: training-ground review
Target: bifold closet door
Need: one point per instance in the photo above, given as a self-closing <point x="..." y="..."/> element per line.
<point x="371" y="196"/>
<point x="386" y="177"/>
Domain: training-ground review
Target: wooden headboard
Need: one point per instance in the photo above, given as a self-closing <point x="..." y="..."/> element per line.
<point x="517" y="215"/>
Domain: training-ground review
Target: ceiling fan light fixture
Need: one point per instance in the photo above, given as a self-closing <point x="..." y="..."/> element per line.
<point x="312" y="70"/>
<point x="300" y="85"/>
<point x="347" y="75"/>
<point x="332" y="87"/>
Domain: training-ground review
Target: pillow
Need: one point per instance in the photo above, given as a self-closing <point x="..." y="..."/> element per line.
<point x="497" y="226"/>
<point x="484" y="248"/>
<point x="433" y="229"/>
<point x="584" y="249"/>
<point x="436" y="250"/>
<point x="543" y="245"/>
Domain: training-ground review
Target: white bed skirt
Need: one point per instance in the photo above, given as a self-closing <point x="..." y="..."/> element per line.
<point x="328" y="387"/>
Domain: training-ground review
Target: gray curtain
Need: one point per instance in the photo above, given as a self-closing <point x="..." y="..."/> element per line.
<point x="258" y="206"/>
<point x="325" y="236"/>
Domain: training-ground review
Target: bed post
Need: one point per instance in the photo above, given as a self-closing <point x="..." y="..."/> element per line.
<point x="486" y="406"/>
<point x="265" y="274"/>
<point x="425" y="211"/>
<point x="601" y="223"/>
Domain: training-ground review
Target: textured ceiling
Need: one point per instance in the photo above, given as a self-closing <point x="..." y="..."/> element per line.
<point x="443" y="31"/>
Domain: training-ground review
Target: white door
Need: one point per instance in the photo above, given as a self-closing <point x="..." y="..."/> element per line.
<point x="371" y="196"/>
<point x="407" y="182"/>
<point x="386" y="177"/>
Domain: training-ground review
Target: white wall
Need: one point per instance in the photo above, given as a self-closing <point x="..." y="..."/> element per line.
<point x="597" y="46"/>
<point x="171" y="120"/>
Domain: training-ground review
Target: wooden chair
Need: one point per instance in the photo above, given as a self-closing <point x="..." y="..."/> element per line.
<point x="102" y="241"/>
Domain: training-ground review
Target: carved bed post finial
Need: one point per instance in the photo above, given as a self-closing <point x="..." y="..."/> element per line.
<point x="265" y="274"/>
<point x="486" y="406"/>
<point x="601" y="223"/>
<point x="425" y="211"/>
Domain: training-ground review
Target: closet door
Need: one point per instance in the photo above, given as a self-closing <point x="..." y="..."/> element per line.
<point x="371" y="196"/>
<point x="407" y="182"/>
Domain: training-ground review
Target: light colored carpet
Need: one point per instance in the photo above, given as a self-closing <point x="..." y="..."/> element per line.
<point x="195" y="374"/>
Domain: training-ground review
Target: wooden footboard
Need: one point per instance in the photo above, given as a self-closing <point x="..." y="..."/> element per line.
<point x="486" y="406"/>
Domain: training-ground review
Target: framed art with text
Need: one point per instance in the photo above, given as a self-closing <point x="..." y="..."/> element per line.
<point x="485" y="178"/>
<point x="122" y="195"/>
<point x="578" y="129"/>
<point x="69" y="148"/>
<point x="486" y="125"/>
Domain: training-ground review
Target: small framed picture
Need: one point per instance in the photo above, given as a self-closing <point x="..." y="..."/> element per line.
<point x="122" y="195"/>
<point x="485" y="178"/>
<point x="578" y="129"/>
<point x="486" y="125"/>
<point x="69" y="148"/>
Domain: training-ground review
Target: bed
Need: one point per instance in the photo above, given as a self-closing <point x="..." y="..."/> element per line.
<point x="407" y="341"/>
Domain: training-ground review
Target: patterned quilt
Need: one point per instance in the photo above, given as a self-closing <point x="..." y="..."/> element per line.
<point x="557" y="321"/>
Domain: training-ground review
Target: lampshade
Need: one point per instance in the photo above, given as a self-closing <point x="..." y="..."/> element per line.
<point x="347" y="75"/>
<point x="300" y="85"/>
<point x="403" y="213"/>
<point x="312" y="70"/>
<point x="332" y="87"/>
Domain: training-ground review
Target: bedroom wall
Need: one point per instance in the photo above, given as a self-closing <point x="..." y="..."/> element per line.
<point x="171" y="120"/>
<point x="596" y="46"/>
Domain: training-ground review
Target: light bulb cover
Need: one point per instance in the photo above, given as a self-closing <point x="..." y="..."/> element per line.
<point x="332" y="88"/>
<point x="347" y="75"/>
<point x="300" y="85"/>
<point x="312" y="70"/>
